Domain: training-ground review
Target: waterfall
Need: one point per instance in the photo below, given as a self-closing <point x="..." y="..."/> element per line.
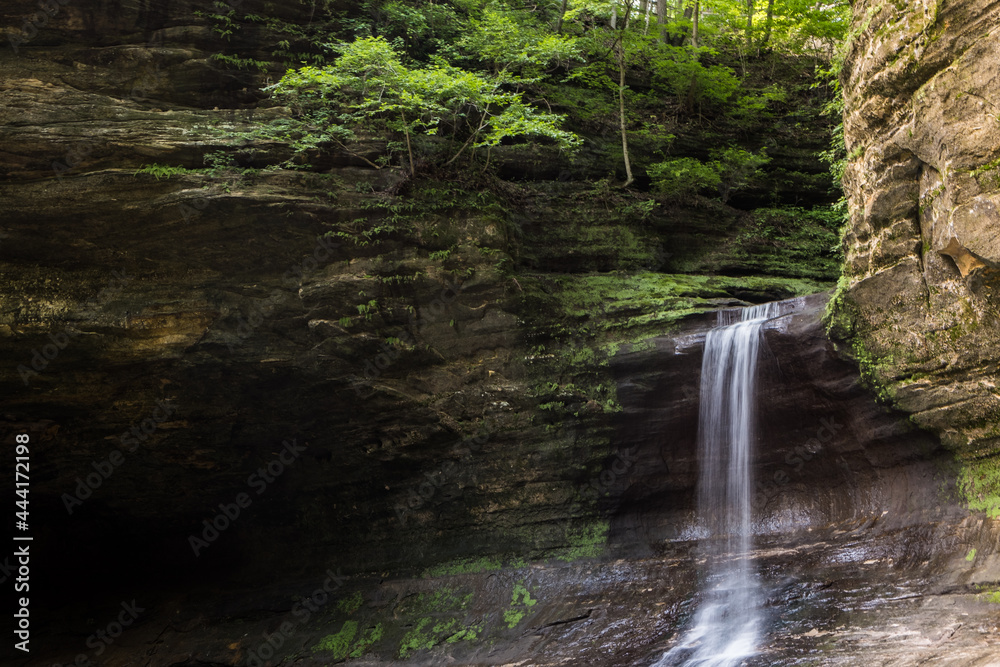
<point x="726" y="626"/>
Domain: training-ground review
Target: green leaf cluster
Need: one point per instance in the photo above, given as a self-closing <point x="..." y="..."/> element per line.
<point x="683" y="72"/>
<point x="369" y="88"/>
<point x="730" y="169"/>
<point x="511" y="41"/>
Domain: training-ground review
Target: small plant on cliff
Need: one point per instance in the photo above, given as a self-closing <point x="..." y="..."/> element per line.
<point x="731" y="169"/>
<point x="737" y="168"/>
<point x="159" y="171"/>
<point x="682" y="177"/>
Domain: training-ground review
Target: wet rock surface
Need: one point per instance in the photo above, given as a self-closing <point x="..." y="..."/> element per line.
<point x="845" y="594"/>
<point x="872" y="562"/>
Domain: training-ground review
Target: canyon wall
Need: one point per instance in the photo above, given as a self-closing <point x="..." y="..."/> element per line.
<point x="918" y="303"/>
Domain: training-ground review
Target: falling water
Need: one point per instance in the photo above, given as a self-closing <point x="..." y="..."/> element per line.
<point x="727" y="623"/>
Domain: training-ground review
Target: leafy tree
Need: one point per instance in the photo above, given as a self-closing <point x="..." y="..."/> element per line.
<point x="730" y="169"/>
<point x="615" y="40"/>
<point x="681" y="177"/>
<point x="795" y="26"/>
<point x="681" y="71"/>
<point x="508" y="42"/>
<point x="416" y="28"/>
<point x="368" y="87"/>
<point x="737" y="168"/>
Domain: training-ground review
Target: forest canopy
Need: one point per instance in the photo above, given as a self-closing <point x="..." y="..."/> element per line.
<point x="451" y="80"/>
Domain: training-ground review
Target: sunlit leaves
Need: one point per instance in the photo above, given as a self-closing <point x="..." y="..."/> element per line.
<point x="730" y="169"/>
<point x="510" y="42"/>
<point x="682" y="72"/>
<point x="368" y="86"/>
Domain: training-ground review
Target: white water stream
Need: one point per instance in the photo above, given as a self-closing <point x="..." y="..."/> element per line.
<point x="727" y="624"/>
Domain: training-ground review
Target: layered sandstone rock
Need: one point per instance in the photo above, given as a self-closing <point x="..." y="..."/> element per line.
<point x="920" y="301"/>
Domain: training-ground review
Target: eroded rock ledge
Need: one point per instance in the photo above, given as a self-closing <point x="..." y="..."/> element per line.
<point x="919" y="303"/>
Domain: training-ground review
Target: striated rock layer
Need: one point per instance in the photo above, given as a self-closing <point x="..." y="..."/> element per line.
<point x="919" y="299"/>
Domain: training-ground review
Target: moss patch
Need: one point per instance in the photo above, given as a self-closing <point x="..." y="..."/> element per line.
<point x="585" y="542"/>
<point x="350" y="604"/>
<point x="417" y="638"/>
<point x="339" y="644"/>
<point x="464" y="566"/>
<point x="520" y="604"/>
<point x="979" y="482"/>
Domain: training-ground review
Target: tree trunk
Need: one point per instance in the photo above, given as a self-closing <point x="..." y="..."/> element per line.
<point x="562" y="13"/>
<point x="661" y="19"/>
<point x="770" y="22"/>
<point x="621" y="121"/>
<point x="694" y="25"/>
<point x="621" y="112"/>
<point x="750" y="10"/>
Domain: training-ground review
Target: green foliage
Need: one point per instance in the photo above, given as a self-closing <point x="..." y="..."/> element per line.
<point x="350" y="604"/>
<point x="979" y="482"/>
<point x="372" y="636"/>
<point x="737" y="168"/>
<point x="683" y="72"/>
<point x="514" y="42"/>
<point x="792" y="241"/>
<point x="416" y="638"/>
<point x="163" y="171"/>
<point x="464" y="566"/>
<point x="418" y="29"/>
<point x="369" y="88"/>
<point x="585" y="542"/>
<point x="368" y="309"/>
<point x="339" y="644"/>
<point x="439" y="617"/>
<point x="466" y="634"/>
<point x="731" y="169"/>
<point x="223" y="25"/>
<point x="241" y="63"/>
<point x="754" y="109"/>
<point x="681" y="177"/>
<point x="520" y="604"/>
<point x="797" y="26"/>
<point x="804" y="26"/>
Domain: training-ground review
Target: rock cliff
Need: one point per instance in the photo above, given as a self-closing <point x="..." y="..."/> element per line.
<point x="919" y="302"/>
